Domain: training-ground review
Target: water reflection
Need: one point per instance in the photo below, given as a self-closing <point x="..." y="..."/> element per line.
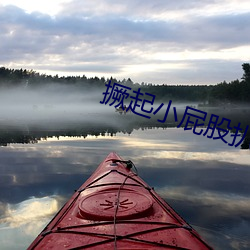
<point x="21" y="221"/>
<point x="111" y="123"/>
<point x="207" y="182"/>
<point x="33" y="209"/>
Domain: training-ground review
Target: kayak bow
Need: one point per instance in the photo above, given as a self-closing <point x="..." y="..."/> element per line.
<point x="116" y="209"/>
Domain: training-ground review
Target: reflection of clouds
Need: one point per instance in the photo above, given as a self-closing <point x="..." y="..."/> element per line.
<point x="29" y="211"/>
<point x="146" y="144"/>
<point x="226" y="240"/>
<point x="2" y="209"/>
<point x="228" y="203"/>
<point x="173" y="139"/>
<point x="158" y="143"/>
<point x="238" y="157"/>
<point x="201" y="174"/>
<point x="222" y="219"/>
<point x="25" y="220"/>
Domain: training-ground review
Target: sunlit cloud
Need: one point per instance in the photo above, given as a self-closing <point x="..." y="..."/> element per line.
<point x="224" y="54"/>
<point x="21" y="223"/>
<point x="29" y="212"/>
<point x="45" y="6"/>
<point x="148" y="145"/>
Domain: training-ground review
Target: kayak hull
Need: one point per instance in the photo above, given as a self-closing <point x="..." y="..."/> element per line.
<point x="116" y="209"/>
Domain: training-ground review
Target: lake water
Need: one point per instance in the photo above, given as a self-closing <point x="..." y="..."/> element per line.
<point x="205" y="180"/>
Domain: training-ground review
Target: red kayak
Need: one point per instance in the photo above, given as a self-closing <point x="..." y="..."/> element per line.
<point x="116" y="209"/>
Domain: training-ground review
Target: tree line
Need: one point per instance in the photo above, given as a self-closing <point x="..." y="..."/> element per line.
<point x="236" y="91"/>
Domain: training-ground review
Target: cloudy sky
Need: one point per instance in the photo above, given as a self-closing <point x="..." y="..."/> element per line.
<point x="157" y="41"/>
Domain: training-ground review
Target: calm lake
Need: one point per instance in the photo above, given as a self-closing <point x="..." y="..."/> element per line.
<point x="204" y="180"/>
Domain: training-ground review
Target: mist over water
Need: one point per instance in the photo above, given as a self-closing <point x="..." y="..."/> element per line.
<point x="61" y="104"/>
<point x="29" y="114"/>
<point x="52" y="103"/>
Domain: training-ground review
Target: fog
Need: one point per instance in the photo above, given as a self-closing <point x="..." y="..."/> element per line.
<point x="55" y="106"/>
<point x="60" y="103"/>
<point x="52" y="103"/>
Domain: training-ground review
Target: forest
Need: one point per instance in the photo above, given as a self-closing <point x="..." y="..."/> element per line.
<point x="224" y="93"/>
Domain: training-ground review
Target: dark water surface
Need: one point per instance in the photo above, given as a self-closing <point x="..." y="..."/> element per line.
<point x="206" y="181"/>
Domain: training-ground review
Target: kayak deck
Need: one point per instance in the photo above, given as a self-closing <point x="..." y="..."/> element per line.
<point x="116" y="209"/>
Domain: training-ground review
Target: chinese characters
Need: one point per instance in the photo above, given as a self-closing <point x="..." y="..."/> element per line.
<point x="193" y="119"/>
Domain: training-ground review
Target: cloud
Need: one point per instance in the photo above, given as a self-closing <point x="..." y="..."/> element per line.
<point x="127" y="39"/>
<point x="26" y="220"/>
<point x="147" y="9"/>
<point x="115" y="30"/>
<point x="29" y="210"/>
<point x="229" y="204"/>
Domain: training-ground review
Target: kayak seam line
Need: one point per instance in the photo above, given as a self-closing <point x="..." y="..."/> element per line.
<point x="120" y="222"/>
<point x="44" y="232"/>
<point x="128" y="237"/>
<point x="99" y="178"/>
<point x="114" y="170"/>
<point x="166" y="208"/>
<point x="121" y="236"/>
<point x="173" y="212"/>
<point x="110" y="184"/>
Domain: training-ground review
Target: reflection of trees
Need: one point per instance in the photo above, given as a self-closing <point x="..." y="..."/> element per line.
<point x="117" y="124"/>
<point x="8" y="137"/>
<point x="246" y="142"/>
